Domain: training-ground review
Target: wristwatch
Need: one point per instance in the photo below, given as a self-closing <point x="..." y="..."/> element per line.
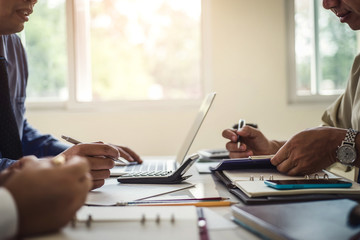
<point x="346" y="153"/>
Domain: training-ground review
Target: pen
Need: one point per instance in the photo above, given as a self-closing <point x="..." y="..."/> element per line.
<point x="189" y="199"/>
<point x="70" y="140"/>
<point x="240" y="125"/>
<point x="74" y="141"/>
<point x="202" y="224"/>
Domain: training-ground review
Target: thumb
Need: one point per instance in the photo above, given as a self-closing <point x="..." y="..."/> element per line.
<point x="280" y="156"/>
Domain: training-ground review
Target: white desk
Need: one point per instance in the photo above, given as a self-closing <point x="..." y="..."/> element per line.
<point x="219" y="221"/>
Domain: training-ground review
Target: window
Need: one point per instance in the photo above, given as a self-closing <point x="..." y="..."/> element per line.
<point x="322" y="50"/>
<point x="111" y="50"/>
<point x="45" y="41"/>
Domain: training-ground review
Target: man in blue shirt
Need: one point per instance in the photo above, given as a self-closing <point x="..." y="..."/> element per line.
<point x="36" y="196"/>
<point x="99" y="155"/>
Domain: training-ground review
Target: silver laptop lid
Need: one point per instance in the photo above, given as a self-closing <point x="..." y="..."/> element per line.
<point x="205" y="106"/>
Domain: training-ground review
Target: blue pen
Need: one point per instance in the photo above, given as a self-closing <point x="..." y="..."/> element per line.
<point x="241" y="124"/>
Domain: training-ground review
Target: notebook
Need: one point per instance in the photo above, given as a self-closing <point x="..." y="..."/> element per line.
<point x="331" y="219"/>
<point x="134" y="222"/>
<point x="161" y="167"/>
<point x="246" y="182"/>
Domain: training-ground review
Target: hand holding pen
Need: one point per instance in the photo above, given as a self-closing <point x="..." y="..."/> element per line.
<point x="127" y="156"/>
<point x="252" y="141"/>
<point x="100" y="157"/>
<point x="119" y="160"/>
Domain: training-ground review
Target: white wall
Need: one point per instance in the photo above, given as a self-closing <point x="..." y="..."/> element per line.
<point x="248" y="71"/>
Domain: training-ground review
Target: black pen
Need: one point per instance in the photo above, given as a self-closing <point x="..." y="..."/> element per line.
<point x="241" y="124"/>
<point x="74" y="141"/>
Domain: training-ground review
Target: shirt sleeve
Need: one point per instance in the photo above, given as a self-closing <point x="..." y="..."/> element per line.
<point x="5" y="163"/>
<point x="40" y="145"/>
<point x="8" y="213"/>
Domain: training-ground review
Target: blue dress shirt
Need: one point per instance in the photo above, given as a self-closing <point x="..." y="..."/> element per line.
<point x="33" y="142"/>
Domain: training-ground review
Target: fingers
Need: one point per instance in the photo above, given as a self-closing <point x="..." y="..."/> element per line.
<point x="26" y="161"/>
<point x="97" y="184"/>
<point x="230" y="134"/>
<point x="95" y="149"/>
<point x="129" y="154"/>
<point x="100" y="163"/>
<point x="88" y="182"/>
<point x="285" y="166"/>
<point x="285" y="163"/>
<point x="233" y="147"/>
<point x="233" y="135"/>
<point x="78" y="168"/>
<point x="100" y="174"/>
<point x="244" y="154"/>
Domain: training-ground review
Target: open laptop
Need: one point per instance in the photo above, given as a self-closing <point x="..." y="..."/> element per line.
<point x="153" y="169"/>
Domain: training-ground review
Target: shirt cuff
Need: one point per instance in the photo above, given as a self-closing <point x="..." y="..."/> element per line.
<point x="8" y="212"/>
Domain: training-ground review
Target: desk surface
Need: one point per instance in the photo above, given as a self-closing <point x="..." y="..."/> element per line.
<point x="220" y="225"/>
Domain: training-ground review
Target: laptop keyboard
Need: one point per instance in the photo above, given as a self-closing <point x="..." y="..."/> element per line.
<point x="148" y="168"/>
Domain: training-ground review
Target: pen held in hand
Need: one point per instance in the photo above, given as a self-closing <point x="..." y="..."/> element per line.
<point x="241" y="124"/>
<point x="74" y="141"/>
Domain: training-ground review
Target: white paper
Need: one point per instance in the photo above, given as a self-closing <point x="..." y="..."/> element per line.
<point x="136" y="213"/>
<point x="113" y="192"/>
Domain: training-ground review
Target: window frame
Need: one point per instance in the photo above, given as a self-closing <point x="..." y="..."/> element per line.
<point x="315" y="97"/>
<point x="78" y="69"/>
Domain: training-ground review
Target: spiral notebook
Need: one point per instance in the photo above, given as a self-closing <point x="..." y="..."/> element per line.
<point x="247" y="183"/>
<point x="137" y="222"/>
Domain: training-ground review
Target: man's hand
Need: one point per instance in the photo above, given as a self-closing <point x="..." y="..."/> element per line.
<point x="309" y="151"/>
<point x="100" y="157"/>
<point x="128" y="154"/>
<point x="253" y="142"/>
<point x="47" y="195"/>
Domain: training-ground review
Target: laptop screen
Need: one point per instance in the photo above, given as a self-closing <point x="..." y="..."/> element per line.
<point x="205" y="106"/>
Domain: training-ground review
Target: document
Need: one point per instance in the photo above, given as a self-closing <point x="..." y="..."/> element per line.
<point x="113" y="192"/>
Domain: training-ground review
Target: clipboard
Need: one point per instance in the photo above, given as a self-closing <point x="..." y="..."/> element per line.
<point x="251" y="162"/>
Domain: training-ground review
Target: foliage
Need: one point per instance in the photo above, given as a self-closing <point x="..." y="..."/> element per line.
<point x="45" y="44"/>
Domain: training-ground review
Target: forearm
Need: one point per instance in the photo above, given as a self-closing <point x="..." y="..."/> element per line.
<point x="40" y="145"/>
<point x="357" y="147"/>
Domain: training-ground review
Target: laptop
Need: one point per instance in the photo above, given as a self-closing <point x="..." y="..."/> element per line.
<point x="161" y="170"/>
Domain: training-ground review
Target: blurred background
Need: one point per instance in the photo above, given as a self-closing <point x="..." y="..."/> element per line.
<point x="134" y="72"/>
